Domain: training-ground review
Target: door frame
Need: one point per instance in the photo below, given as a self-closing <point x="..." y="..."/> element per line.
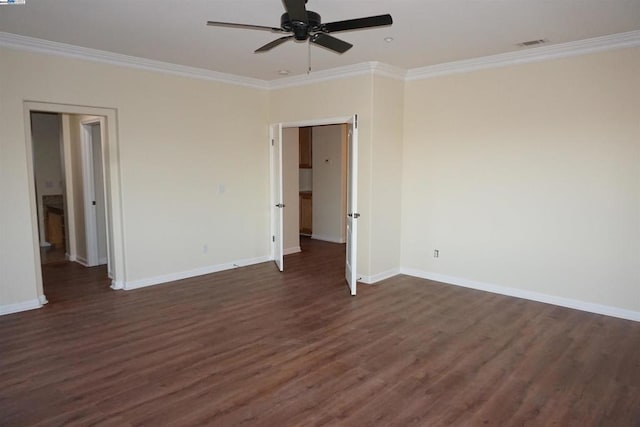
<point x="113" y="193"/>
<point x="303" y="123"/>
<point x="89" y="190"/>
<point x="352" y="214"/>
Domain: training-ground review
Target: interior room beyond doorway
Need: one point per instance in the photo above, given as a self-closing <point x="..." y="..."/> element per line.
<point x="314" y="168"/>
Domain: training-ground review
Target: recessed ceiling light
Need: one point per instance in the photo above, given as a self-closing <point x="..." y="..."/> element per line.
<point x="283" y="72"/>
<point x="388" y="39"/>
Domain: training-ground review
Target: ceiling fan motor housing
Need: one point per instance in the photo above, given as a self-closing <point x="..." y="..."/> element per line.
<point x="301" y="29"/>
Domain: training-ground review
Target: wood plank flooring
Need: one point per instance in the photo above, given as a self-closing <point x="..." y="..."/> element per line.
<point x="253" y="346"/>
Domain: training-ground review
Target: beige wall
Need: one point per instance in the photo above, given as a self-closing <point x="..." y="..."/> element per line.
<point x="181" y="143"/>
<point x="290" y="189"/>
<point x="524" y="177"/>
<point x="386" y="176"/>
<point x="18" y="272"/>
<point x="329" y="182"/>
<point x="528" y="177"/>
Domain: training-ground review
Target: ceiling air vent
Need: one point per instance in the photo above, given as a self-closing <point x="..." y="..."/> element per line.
<point x="530" y="43"/>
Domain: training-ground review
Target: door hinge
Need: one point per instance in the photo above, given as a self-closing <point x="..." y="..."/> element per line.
<point x="355" y="122"/>
<point x="273" y="141"/>
<point x="354" y="215"/>
<point x="273" y="239"/>
<point x="280" y="205"/>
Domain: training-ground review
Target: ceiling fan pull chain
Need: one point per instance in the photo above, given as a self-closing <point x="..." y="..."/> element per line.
<point x="309" y="59"/>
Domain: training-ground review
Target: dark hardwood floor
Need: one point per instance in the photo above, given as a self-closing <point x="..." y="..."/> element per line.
<point x="253" y="346"/>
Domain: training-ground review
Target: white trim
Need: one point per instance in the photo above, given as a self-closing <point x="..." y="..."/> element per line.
<point x="521" y="293"/>
<point x="82" y="261"/>
<point x="117" y="262"/>
<point x="88" y="189"/>
<point x="542" y="53"/>
<point x="292" y="250"/>
<point x="20" y="306"/>
<point x="326" y="238"/>
<point x="117" y="285"/>
<point x="141" y="283"/>
<point x="43" y="300"/>
<point x="31" y="44"/>
<point x="361" y="69"/>
<point x="370" y="280"/>
<point x="317" y="122"/>
<point x="70" y="202"/>
<point x="391" y="71"/>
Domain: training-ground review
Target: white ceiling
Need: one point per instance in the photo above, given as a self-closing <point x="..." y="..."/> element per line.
<point x="425" y="32"/>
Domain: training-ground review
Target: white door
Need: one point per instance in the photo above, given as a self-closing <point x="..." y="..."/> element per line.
<point x="93" y="193"/>
<point x="99" y="194"/>
<point x="277" y="205"/>
<point x="352" y="204"/>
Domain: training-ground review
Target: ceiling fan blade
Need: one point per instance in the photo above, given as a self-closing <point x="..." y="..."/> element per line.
<point x="245" y="26"/>
<point x="330" y="42"/>
<point x="359" y="23"/>
<point x="297" y="10"/>
<point x="273" y="44"/>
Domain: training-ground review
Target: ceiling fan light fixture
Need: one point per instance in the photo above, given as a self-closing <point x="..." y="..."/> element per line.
<point x="303" y="25"/>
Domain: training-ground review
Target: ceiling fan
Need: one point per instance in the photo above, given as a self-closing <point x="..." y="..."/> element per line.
<point x="304" y="25"/>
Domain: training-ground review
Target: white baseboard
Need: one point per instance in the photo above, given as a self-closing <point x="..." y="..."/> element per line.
<point x="370" y="280"/>
<point x="20" y="306"/>
<point x="80" y="260"/>
<point x="293" y="250"/>
<point x="332" y="239"/>
<point x="103" y="261"/>
<point x="43" y="300"/>
<point x="141" y="283"/>
<point x="117" y="284"/>
<point x="520" y="293"/>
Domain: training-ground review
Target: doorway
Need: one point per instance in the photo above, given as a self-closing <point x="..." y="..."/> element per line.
<point x="314" y="163"/>
<point x="319" y="188"/>
<point x="46" y="131"/>
<point x="84" y="203"/>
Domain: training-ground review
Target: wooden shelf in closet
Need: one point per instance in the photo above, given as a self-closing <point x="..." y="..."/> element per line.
<point x="305" y="155"/>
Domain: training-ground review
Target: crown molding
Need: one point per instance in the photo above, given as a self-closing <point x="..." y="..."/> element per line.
<point x="30" y="44"/>
<point x="542" y="53"/>
<point x="361" y="69"/>
<point x="390" y="71"/>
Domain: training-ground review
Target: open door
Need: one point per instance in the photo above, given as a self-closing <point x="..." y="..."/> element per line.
<point x="277" y="205"/>
<point x="93" y="180"/>
<point x="352" y="204"/>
